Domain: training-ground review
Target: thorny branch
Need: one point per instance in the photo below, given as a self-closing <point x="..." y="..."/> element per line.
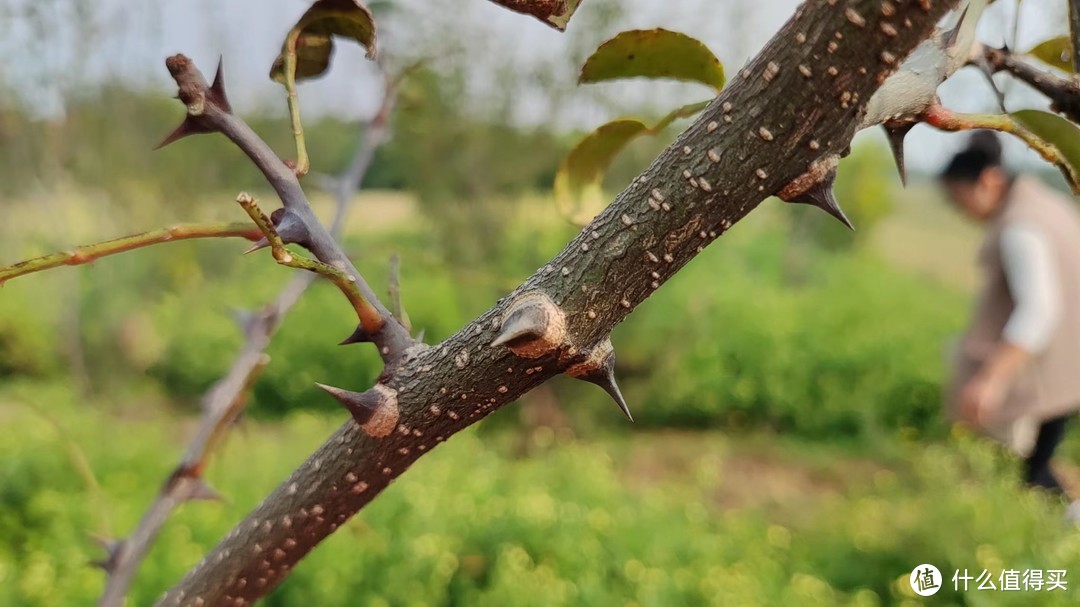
<point x="1063" y="92"/>
<point x="208" y="111"/>
<point x="89" y="253"/>
<point x="816" y="75"/>
<point x="225" y="401"/>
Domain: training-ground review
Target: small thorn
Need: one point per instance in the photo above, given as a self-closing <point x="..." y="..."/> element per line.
<point x="188" y="127"/>
<point x="204" y="492"/>
<point x="896" y="137"/>
<point x="242" y="318"/>
<point x="112" y="552"/>
<point x="358" y="336"/>
<point x="262" y="243"/>
<point x="523" y="324"/>
<point x="217" y="89"/>
<point x="954" y="33"/>
<point x="821" y="196"/>
<point x="419" y="336"/>
<point x="360" y="404"/>
<point x="605" y="378"/>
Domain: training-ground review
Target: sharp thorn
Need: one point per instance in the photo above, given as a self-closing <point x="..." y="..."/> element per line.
<point x="242" y="318"/>
<point x="261" y="244"/>
<point x="954" y="33"/>
<point x="187" y="127"/>
<point x="821" y="196"/>
<point x="217" y="89"/>
<point x="605" y="378"/>
<point x="523" y="324"/>
<point x="358" y="336"/>
<point x="896" y="137"/>
<point x="111" y="545"/>
<point x="204" y="492"/>
<point x="104" y="564"/>
<point x="359" y="404"/>
<point x="420" y="336"/>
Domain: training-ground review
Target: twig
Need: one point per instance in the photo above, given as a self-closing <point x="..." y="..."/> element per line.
<point x="224" y="402"/>
<point x="302" y="162"/>
<point x="1074" y="33"/>
<point x="1063" y="92"/>
<point x="370" y="319"/>
<point x="947" y="120"/>
<point x="88" y="253"/>
<point x="209" y="112"/>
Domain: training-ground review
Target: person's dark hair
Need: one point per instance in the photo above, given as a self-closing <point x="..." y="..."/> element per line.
<point x="983" y="151"/>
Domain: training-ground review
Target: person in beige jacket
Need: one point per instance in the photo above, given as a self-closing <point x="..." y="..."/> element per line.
<point x="1019" y="361"/>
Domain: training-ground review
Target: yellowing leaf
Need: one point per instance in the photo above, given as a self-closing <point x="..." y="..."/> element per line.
<point x="1056" y="52"/>
<point x="657" y="53"/>
<point x="1061" y="133"/>
<point x="315" y="31"/>
<point x="578" y="192"/>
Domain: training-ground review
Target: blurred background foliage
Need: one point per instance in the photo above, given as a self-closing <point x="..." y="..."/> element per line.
<point x="789" y="445"/>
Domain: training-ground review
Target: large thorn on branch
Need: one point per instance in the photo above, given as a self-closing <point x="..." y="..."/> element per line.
<point x="896" y="135"/>
<point x="358" y="336"/>
<point x="533" y="325"/>
<point x="815" y="187"/>
<point x="599" y="369"/>
<point x="376" y="410"/>
<point x="199" y="97"/>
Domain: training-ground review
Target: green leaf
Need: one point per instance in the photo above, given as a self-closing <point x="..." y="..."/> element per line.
<point x="578" y="191"/>
<point x="315" y="31"/>
<point x="1061" y="133"/>
<point x="1056" y="52"/>
<point x="657" y="53"/>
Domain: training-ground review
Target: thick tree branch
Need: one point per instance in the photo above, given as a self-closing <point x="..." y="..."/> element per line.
<point x="224" y="402"/>
<point x="792" y="111"/>
<point x="93" y="252"/>
<point x="1063" y="92"/>
<point x="1074" y="33"/>
<point x="209" y="111"/>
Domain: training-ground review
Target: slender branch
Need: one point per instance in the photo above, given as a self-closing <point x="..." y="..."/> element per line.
<point x="1063" y="92"/>
<point x="224" y="402"/>
<point x="207" y="113"/>
<point x="947" y="120"/>
<point x="773" y="128"/>
<point x="302" y="162"/>
<point x="88" y="253"/>
<point x="370" y="319"/>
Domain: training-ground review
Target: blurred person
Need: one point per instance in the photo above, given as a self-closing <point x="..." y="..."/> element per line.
<point x="1016" y="371"/>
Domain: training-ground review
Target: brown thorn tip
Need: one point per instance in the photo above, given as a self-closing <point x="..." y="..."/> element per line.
<point x="188" y="127"/>
<point x="358" y="403"/>
<point x="896" y="137"/>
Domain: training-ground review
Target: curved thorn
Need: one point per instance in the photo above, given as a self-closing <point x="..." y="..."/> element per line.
<point x="358" y="336"/>
<point x="217" y="89"/>
<point x="605" y="378"/>
<point x="954" y="33"/>
<point x="188" y="127"/>
<point x="524" y="324"/>
<point x="896" y="135"/>
<point x="202" y="491"/>
<point x="821" y="196"/>
<point x="262" y="243"/>
<point x="359" y="404"/>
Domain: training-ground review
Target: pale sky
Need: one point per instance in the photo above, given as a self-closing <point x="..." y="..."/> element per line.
<point x="531" y="66"/>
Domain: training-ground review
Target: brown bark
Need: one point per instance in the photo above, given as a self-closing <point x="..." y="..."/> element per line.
<point x="796" y="105"/>
<point x="1064" y="93"/>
